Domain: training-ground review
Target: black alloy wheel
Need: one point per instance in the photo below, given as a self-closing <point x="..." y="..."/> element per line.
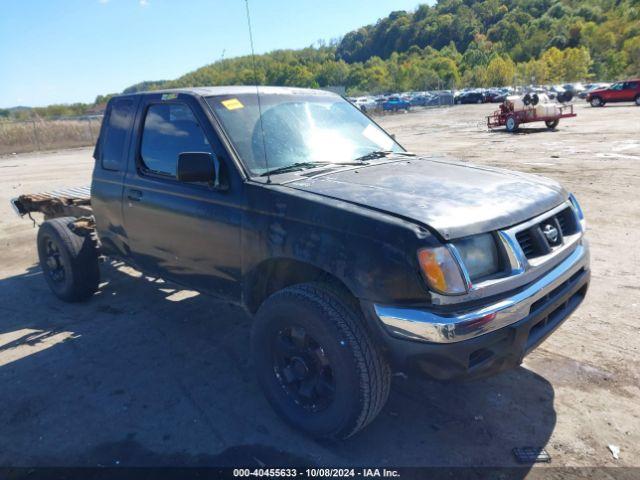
<point x="303" y="368"/>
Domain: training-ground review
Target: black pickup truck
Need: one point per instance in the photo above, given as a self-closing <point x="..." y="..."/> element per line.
<point x="355" y="257"/>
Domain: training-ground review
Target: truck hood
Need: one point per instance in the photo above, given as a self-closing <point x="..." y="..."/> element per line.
<point x="453" y="198"/>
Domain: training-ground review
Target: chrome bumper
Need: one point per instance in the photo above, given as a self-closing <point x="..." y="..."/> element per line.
<point x="425" y="325"/>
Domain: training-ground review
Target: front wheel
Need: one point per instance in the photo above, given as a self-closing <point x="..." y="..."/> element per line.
<point x="596" y="102"/>
<point x="551" y="124"/>
<point x="637" y="100"/>
<point x="315" y="362"/>
<point x="69" y="262"/>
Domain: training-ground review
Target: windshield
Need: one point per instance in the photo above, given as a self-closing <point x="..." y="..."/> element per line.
<point x="298" y="128"/>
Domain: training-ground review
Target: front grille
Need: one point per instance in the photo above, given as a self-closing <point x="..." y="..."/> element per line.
<point x="568" y="222"/>
<point x="526" y="243"/>
<point x="543" y="237"/>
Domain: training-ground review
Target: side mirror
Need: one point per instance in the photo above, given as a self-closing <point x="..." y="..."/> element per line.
<point x="197" y="167"/>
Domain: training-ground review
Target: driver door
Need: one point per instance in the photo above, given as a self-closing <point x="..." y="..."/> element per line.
<point x="616" y="92"/>
<point x="186" y="232"/>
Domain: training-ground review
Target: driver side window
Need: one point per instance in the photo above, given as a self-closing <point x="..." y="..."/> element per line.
<point x="169" y="130"/>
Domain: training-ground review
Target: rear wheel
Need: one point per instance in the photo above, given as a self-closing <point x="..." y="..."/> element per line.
<point x="596" y="102"/>
<point x="316" y="363"/>
<point x="551" y="124"/>
<point x="69" y="262"/>
<point x="637" y="100"/>
<point x="511" y="124"/>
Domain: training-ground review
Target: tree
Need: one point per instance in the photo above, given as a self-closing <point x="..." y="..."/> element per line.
<point x="533" y="72"/>
<point x="577" y="62"/>
<point x="500" y="71"/>
<point x="554" y="60"/>
<point x="631" y="49"/>
<point x="447" y="71"/>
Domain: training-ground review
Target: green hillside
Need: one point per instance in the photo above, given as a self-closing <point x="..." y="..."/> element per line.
<point x="454" y="43"/>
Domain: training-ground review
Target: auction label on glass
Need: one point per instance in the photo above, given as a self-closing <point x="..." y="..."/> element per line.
<point x="232" y="104"/>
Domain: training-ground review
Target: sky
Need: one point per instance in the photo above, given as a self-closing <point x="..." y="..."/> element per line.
<point x="65" y="51"/>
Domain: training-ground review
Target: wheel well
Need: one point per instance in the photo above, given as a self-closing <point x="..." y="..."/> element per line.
<point x="274" y="275"/>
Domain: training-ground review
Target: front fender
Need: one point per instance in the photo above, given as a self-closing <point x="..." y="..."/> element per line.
<point x="372" y="253"/>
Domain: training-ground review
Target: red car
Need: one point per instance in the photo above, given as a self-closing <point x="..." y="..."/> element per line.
<point x="627" y="91"/>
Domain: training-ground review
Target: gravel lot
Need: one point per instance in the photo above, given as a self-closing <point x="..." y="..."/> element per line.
<point x="145" y="374"/>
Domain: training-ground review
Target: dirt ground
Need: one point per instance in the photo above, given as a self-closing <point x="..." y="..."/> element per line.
<point x="144" y="374"/>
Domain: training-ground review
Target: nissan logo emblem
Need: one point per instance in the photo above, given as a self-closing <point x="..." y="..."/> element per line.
<point x="551" y="233"/>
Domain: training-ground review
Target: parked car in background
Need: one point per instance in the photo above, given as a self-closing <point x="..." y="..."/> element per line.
<point x="365" y="104"/>
<point x="589" y="87"/>
<point x="394" y="104"/>
<point x="471" y="96"/>
<point x="496" y="95"/>
<point x="574" y="88"/>
<point x="420" y="100"/>
<point x="626" y="91"/>
<point x="560" y="93"/>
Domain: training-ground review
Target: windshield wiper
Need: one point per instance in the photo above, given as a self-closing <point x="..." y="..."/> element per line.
<point x="382" y="153"/>
<point x="294" y="167"/>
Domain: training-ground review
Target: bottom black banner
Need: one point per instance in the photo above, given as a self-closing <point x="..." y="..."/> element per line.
<point x="406" y="473"/>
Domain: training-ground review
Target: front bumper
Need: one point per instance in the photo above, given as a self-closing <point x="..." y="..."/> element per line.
<point x="489" y="338"/>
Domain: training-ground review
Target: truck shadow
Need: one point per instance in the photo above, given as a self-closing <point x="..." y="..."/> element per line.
<point x="145" y="374"/>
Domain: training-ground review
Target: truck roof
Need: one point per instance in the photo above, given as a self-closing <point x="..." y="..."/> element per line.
<point x="239" y="90"/>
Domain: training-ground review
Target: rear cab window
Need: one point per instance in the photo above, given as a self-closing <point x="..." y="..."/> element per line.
<point x="169" y="130"/>
<point x="118" y="120"/>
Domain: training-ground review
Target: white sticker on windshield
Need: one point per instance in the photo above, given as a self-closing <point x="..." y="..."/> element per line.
<point x="378" y="137"/>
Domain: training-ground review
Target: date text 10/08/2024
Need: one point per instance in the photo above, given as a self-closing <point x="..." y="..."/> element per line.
<point x="316" y="472"/>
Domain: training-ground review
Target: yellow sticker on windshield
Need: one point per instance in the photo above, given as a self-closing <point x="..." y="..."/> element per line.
<point x="232" y="104"/>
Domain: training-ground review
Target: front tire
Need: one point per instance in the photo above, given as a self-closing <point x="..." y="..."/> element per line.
<point x="637" y="100"/>
<point x="69" y="262"/>
<point x="316" y="363"/>
<point x="596" y="102"/>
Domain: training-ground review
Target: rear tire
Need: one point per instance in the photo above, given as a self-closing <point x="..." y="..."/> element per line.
<point x="637" y="100"/>
<point x="69" y="262"/>
<point x="552" y="124"/>
<point x="316" y="363"/>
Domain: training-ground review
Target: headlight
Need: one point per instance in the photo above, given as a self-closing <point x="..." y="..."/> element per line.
<point x="578" y="210"/>
<point x="441" y="270"/>
<point x="479" y="255"/>
<point x="451" y="269"/>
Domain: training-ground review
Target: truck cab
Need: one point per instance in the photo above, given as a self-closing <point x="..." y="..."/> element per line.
<point x="355" y="257"/>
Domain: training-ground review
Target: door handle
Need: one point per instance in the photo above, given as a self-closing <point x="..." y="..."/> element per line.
<point x="134" y="195"/>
